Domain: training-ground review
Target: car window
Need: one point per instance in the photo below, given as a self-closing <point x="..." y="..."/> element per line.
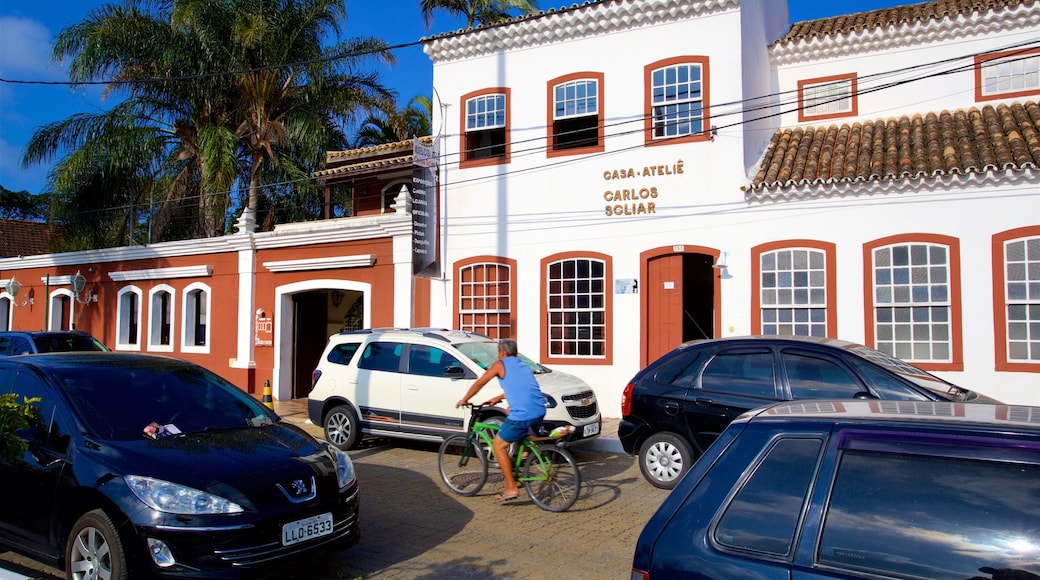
<point x="67" y="343"/>
<point x="49" y="422"/>
<point x="342" y="353"/>
<point x="429" y="361"/>
<point x="816" y="378"/>
<point x="885" y="385"/>
<point x="122" y="402"/>
<point x="764" y="513"/>
<point x="681" y="371"/>
<point x="932" y="517"/>
<point x="745" y="373"/>
<point x="12" y="345"/>
<point x="484" y="353"/>
<point x="381" y="356"/>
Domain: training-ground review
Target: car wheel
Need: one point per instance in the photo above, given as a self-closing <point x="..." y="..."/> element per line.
<point x="341" y="427"/>
<point x="94" y="549"/>
<point x="497" y="421"/>
<point x="664" y="458"/>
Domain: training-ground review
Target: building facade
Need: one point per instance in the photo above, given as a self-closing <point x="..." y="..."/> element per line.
<point x="623" y="176"/>
<point x="617" y="177"/>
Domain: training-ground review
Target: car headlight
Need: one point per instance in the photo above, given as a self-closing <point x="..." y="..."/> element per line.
<point x="344" y="467"/>
<point x="172" y="498"/>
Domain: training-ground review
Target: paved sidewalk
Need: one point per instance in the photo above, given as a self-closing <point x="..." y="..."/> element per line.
<point x="295" y="411"/>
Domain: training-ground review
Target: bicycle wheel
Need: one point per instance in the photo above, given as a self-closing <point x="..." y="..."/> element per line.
<point x="463" y="464"/>
<point x="552" y="478"/>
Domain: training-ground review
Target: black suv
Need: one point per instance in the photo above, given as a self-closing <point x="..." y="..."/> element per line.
<point x="674" y="408"/>
<point x="32" y="342"/>
<point x="857" y="489"/>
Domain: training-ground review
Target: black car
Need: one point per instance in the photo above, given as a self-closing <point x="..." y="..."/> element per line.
<point x="857" y="489"/>
<point x="674" y="408"/>
<point x="30" y="342"/>
<point x="146" y="466"/>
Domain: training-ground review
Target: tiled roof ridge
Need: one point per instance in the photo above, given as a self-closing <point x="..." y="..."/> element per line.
<point x="892" y="17"/>
<point x="965" y="141"/>
<point x="376" y="149"/>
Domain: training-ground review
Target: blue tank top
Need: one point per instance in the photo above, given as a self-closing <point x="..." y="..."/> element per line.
<point x="525" y="398"/>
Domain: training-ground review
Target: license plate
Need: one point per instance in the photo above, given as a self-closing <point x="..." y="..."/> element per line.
<point x="590" y="430"/>
<point x="305" y="529"/>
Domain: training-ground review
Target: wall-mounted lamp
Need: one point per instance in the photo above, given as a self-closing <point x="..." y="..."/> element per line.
<point x="79" y="281"/>
<point x="13" y="287"/>
<point x="720" y="264"/>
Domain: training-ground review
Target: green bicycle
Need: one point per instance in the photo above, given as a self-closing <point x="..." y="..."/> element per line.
<point x="548" y="471"/>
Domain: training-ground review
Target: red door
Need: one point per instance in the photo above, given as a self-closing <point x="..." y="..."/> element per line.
<point x="664" y="295"/>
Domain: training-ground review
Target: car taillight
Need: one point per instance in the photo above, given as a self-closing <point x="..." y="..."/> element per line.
<point x="640" y="575"/>
<point x="626" y="400"/>
<point x="314" y="378"/>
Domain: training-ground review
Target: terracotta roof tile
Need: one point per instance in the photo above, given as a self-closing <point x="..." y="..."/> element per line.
<point x="892" y="17"/>
<point x="1003" y="137"/>
<point x="24" y="238"/>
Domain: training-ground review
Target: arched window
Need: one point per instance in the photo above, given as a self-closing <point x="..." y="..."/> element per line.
<point x="195" y="321"/>
<point x="128" y="314"/>
<point x="577" y="304"/>
<point x="160" y="318"/>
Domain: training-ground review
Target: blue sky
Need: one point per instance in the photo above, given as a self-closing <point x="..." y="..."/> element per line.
<point x="27" y="28"/>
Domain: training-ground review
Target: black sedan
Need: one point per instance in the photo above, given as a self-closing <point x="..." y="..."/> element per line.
<point x="676" y="407"/>
<point x="147" y="466"/>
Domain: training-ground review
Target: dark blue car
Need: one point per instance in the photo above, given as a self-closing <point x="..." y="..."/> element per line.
<point x="857" y="489"/>
<point x="143" y="466"/>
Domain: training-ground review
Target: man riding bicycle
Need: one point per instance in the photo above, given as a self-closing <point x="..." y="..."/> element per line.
<point x="526" y="407"/>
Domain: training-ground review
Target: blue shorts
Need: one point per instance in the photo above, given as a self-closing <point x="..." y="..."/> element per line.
<point x="513" y="430"/>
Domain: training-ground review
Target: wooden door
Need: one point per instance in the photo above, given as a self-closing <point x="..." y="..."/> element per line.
<point x="664" y="295"/>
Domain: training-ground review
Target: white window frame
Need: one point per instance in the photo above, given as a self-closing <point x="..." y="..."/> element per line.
<point x="913" y="308"/>
<point x="826" y="98"/>
<point x="55" y="322"/>
<point x="1022" y="299"/>
<point x="155" y="317"/>
<point x="6" y="311"/>
<point x="1010" y="74"/>
<point x="502" y="296"/>
<point x="669" y="118"/>
<point x="488" y="113"/>
<point x="576" y="105"/>
<point x="794" y="292"/>
<point x="188" y="315"/>
<point x="572" y="305"/>
<point x="127" y="316"/>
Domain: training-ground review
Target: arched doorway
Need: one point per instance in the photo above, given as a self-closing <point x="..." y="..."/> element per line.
<point x="307" y="313"/>
<point x="680" y="298"/>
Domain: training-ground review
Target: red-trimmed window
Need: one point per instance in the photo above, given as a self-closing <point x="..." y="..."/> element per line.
<point x="577" y="301"/>
<point x="486" y="295"/>
<point x="676" y="108"/>
<point x="575" y="114"/>
<point x="1013" y="73"/>
<point x="794" y="289"/>
<point x="485" y="127"/>
<point x="913" y="302"/>
<point x="827" y="97"/>
<point x="1016" y="297"/>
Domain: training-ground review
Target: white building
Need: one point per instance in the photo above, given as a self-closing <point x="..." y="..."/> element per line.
<point x="624" y="175"/>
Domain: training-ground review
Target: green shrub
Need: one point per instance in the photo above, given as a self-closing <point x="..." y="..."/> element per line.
<point x="14" y="416"/>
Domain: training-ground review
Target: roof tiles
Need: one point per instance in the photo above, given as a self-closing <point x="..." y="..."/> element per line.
<point x="1003" y="136"/>
<point x="892" y="17"/>
<point x="24" y="238"/>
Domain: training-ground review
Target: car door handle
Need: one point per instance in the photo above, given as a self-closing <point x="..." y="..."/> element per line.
<point x="703" y="401"/>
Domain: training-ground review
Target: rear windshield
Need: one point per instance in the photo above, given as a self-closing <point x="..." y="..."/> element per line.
<point x="67" y="343"/>
<point x="124" y="403"/>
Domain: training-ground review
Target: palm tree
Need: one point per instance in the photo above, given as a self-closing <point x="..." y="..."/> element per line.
<point x="389" y="125"/>
<point x="476" y="12"/>
<point x="187" y="131"/>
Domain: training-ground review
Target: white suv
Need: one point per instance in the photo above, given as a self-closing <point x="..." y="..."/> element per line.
<point x="405" y="383"/>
